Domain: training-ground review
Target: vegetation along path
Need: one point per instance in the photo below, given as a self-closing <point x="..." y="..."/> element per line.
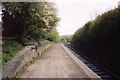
<point x="54" y="63"/>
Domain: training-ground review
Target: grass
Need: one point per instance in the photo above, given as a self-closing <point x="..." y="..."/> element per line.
<point x="9" y="50"/>
<point x="0" y="59"/>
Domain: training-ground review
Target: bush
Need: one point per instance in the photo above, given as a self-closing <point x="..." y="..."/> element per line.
<point x="9" y="50"/>
<point x="99" y="40"/>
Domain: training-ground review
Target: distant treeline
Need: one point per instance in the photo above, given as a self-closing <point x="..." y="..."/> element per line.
<point x="99" y="40"/>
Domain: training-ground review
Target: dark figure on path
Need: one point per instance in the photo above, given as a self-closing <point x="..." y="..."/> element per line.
<point x="33" y="48"/>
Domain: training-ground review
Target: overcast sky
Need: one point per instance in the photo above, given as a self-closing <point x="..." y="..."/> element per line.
<point x="75" y="13"/>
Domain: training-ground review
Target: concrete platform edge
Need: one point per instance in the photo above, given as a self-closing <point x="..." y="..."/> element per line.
<point x="86" y="69"/>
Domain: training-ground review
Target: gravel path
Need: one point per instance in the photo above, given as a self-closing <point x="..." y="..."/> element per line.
<point x="54" y="63"/>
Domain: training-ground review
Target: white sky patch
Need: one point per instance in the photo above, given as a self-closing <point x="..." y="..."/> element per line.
<point x="75" y="13"/>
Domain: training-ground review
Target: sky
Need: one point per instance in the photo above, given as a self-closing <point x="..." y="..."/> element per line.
<point x="75" y="13"/>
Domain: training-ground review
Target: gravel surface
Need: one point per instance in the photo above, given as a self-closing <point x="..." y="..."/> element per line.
<point x="54" y="63"/>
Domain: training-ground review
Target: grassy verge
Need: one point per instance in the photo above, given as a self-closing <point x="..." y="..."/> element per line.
<point x="30" y="60"/>
<point x="0" y="59"/>
<point x="9" y="50"/>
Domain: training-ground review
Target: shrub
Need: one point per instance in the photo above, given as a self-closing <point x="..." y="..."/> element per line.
<point x="9" y="50"/>
<point x="99" y="40"/>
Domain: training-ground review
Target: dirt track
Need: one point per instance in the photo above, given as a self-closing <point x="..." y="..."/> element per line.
<point x="54" y="63"/>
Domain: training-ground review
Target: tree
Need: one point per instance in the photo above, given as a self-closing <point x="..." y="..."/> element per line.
<point x="52" y="36"/>
<point x="31" y="21"/>
<point x="99" y="40"/>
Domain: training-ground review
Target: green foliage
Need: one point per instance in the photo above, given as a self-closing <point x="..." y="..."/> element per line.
<point x="99" y="40"/>
<point x="9" y="50"/>
<point x="30" y="22"/>
<point x="52" y="36"/>
<point x="82" y="34"/>
<point x="0" y="59"/>
<point x="103" y="27"/>
<point x="68" y="38"/>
